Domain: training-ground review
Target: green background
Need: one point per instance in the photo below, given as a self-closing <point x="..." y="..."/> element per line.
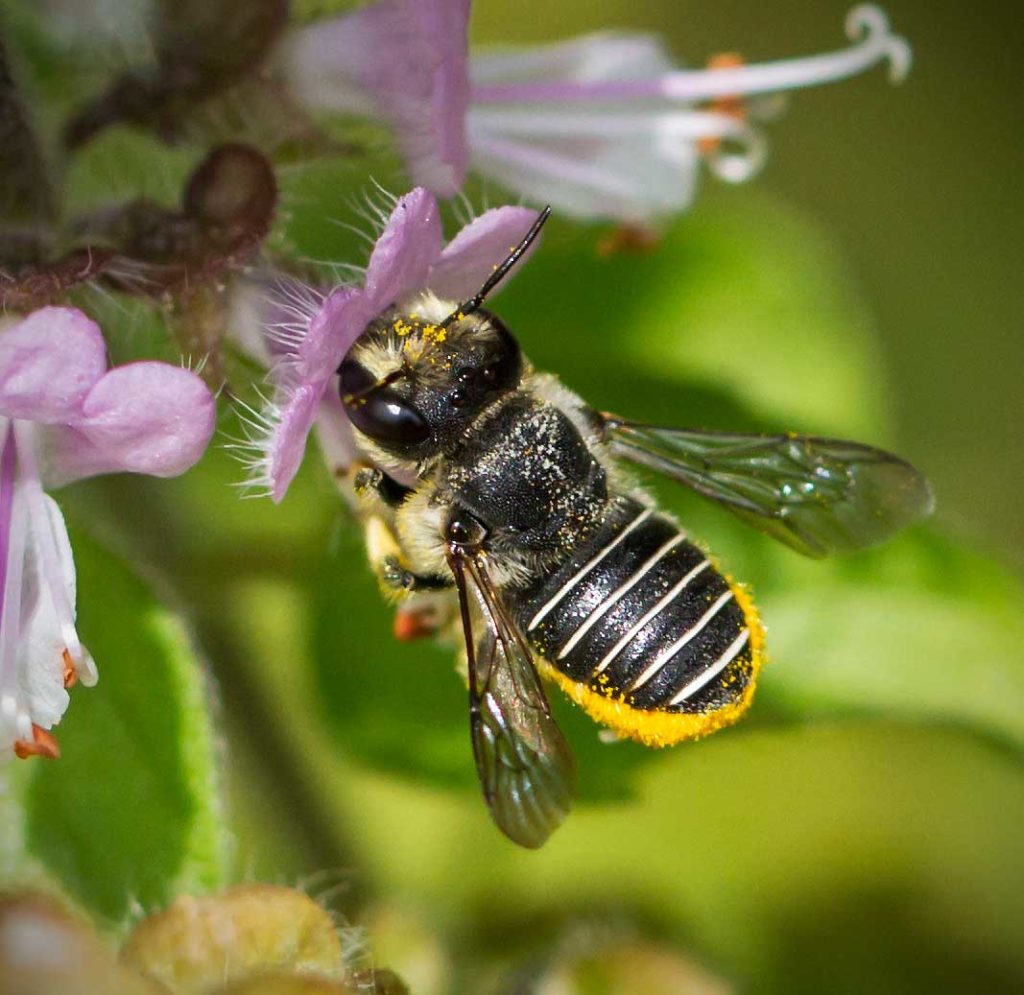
<point x="860" y="830"/>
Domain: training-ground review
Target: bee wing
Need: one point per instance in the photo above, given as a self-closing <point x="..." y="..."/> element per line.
<point x="525" y="766"/>
<point x="819" y="496"/>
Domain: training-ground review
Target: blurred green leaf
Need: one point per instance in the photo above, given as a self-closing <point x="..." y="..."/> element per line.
<point x="399" y="706"/>
<point x="928" y="632"/>
<point x="748" y="301"/>
<point x="130" y="813"/>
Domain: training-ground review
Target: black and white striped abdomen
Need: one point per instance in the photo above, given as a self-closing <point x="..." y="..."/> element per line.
<point x="641" y="617"/>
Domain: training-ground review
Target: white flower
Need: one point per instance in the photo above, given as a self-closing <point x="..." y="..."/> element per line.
<point x="63" y="416"/>
<point x="601" y="126"/>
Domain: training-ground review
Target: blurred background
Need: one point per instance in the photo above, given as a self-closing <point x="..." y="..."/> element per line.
<point x="861" y="829"/>
<point x="915" y="186"/>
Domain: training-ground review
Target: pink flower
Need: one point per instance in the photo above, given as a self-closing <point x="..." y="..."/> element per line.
<point x="64" y="416"/>
<point x="408" y="258"/>
<point x="598" y="126"/>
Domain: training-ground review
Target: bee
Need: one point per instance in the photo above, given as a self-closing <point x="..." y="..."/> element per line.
<point x="488" y="478"/>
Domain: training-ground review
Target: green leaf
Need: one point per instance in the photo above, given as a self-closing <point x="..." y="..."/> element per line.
<point x="746" y="299"/>
<point x="399" y="706"/>
<point x="130" y="813"/>
<point x="924" y="632"/>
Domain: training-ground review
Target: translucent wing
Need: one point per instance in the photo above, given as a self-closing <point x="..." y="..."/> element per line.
<point x="820" y="496"/>
<point x="525" y="766"/>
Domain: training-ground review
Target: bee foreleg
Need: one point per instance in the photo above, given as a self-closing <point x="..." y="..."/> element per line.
<point x="394" y="575"/>
<point x="373" y="484"/>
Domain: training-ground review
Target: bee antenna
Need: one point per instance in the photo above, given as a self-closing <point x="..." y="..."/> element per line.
<point x="386" y="381"/>
<point x="500" y="272"/>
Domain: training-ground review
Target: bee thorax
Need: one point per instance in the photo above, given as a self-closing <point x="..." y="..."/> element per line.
<point x="527" y="473"/>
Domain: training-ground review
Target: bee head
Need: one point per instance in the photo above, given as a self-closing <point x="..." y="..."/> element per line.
<point x="413" y="381"/>
<point x="413" y="387"/>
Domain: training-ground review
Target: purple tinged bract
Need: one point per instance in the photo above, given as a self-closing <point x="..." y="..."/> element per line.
<point x="64" y="416"/>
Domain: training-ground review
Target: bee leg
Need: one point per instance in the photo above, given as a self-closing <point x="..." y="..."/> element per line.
<point x="374" y="484"/>
<point x="426" y="614"/>
<point x="393" y="574"/>
<point x="420" y="613"/>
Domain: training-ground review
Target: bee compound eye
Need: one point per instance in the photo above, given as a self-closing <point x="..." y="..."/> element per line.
<point x="386" y="417"/>
<point x="381" y="413"/>
<point x="465" y="530"/>
<point x="353" y="379"/>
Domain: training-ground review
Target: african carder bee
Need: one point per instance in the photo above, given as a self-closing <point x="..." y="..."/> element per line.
<point x="491" y="479"/>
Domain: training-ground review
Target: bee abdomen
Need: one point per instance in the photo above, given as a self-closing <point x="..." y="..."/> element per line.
<point x="640" y="616"/>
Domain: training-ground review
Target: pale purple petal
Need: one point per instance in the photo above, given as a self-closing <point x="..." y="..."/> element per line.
<point x="141" y="418"/>
<point x="409" y="245"/>
<point x="406" y="59"/>
<point x="287" y="442"/>
<point x="331" y="332"/>
<point x="269" y="314"/>
<point x="334" y="433"/>
<point x="587" y="58"/>
<point x="401" y="259"/>
<point x="472" y="255"/>
<point x="627" y="165"/>
<point x="48" y="363"/>
<point x="43" y="640"/>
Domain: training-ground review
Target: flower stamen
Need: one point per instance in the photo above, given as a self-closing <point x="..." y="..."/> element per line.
<point x="43" y="744"/>
<point x="628" y="238"/>
<point x="728" y="105"/>
<point x="70" y="673"/>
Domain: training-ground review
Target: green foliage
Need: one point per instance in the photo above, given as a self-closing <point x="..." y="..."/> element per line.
<point x="925" y="631"/>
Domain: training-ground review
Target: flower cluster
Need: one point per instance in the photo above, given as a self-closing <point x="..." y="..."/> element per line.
<point x="601" y="126"/>
<point x="64" y="416"/>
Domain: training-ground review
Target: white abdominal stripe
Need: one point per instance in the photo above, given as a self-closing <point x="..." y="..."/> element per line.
<point x="641" y="614"/>
<point x="587" y="567"/>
